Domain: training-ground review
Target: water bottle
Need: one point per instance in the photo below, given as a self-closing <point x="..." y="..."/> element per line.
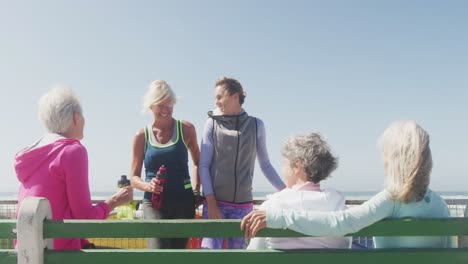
<point x="158" y="198"/>
<point x="124" y="212"/>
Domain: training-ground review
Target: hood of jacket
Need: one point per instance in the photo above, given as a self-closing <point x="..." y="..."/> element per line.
<point x="229" y="120"/>
<point x="29" y="160"/>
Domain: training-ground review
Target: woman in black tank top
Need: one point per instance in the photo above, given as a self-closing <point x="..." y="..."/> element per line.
<point x="167" y="142"/>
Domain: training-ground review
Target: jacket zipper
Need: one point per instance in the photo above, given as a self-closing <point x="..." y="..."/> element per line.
<point x="235" y="163"/>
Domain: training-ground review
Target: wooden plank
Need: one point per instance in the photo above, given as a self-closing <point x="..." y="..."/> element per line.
<point x="231" y="228"/>
<point x="330" y="256"/>
<point x="8" y="256"/>
<point x="6" y="228"/>
<point x="141" y="228"/>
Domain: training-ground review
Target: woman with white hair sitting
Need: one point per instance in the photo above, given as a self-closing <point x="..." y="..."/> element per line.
<point x="407" y="164"/>
<point x="56" y="166"/>
<point x="308" y="160"/>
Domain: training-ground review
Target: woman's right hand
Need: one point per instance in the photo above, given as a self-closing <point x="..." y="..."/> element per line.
<point x="213" y="210"/>
<point x="253" y="222"/>
<point x="123" y="196"/>
<point x="154" y="186"/>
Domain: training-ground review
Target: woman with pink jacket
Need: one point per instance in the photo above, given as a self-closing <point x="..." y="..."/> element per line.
<point x="56" y="166"/>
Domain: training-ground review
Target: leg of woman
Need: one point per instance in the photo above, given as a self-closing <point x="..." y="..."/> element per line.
<point x="183" y="210"/>
<point x="238" y="213"/>
<point x="150" y="213"/>
<point x="212" y="242"/>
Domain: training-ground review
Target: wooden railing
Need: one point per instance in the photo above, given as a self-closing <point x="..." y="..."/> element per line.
<point x="35" y="233"/>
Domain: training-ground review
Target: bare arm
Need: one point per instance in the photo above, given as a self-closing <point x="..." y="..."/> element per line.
<point x="190" y="138"/>
<point x="137" y="164"/>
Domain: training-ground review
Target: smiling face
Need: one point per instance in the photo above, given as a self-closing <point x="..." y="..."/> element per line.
<point x="226" y="103"/>
<point x="163" y="109"/>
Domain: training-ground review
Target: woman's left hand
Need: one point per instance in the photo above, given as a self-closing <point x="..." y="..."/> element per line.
<point x="198" y="198"/>
<point x="253" y="222"/>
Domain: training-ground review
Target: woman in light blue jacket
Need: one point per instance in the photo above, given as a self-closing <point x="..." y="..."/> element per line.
<point x="408" y="164"/>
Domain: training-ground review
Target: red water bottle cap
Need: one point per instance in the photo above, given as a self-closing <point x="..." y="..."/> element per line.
<point x="162" y="169"/>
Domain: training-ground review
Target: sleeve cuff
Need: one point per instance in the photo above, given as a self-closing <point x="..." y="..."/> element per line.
<point x="106" y="209"/>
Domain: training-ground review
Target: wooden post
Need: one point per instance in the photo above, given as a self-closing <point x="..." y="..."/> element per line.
<point x="463" y="240"/>
<point x="31" y="243"/>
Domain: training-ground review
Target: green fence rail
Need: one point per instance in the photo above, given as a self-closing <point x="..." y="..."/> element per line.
<point x="380" y="256"/>
<point x="35" y="245"/>
<point x="231" y="228"/>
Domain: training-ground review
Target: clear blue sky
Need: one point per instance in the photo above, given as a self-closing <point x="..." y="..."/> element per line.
<point x="344" y="68"/>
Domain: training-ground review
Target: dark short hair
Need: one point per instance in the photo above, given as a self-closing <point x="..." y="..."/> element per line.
<point x="232" y="86"/>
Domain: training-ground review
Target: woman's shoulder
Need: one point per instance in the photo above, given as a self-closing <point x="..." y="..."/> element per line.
<point x="278" y="199"/>
<point x="186" y="124"/>
<point x="260" y="126"/>
<point x="434" y="197"/>
<point x="259" y="121"/>
<point x="431" y="205"/>
<point x="141" y="132"/>
<point x="70" y="144"/>
<point x="286" y="192"/>
<point x="333" y="194"/>
<point x="71" y="147"/>
<point x="383" y="198"/>
<point x="188" y="129"/>
<point x="327" y="200"/>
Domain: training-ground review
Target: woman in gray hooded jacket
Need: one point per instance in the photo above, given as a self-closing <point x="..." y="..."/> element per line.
<point x="231" y="141"/>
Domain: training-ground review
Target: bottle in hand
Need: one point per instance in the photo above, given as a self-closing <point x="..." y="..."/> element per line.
<point x="124" y="212"/>
<point x="158" y="198"/>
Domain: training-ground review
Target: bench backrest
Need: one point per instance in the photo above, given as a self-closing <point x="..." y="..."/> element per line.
<point x="35" y="233"/>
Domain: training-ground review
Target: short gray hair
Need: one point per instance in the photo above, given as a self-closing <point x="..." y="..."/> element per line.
<point x="157" y="92"/>
<point x="408" y="161"/>
<point x="56" y="109"/>
<point x="314" y="155"/>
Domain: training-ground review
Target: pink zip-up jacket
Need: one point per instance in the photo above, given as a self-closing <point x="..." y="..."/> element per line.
<point x="59" y="172"/>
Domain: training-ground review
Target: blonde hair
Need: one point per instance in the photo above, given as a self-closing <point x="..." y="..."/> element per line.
<point x="408" y="161"/>
<point x="56" y="109"/>
<point x="157" y="92"/>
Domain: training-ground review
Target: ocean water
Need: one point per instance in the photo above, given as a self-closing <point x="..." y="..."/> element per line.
<point x="357" y="195"/>
<point x="457" y="201"/>
<point x="350" y="195"/>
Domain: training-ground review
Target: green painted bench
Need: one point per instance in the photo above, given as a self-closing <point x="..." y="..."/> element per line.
<point x="34" y="233"/>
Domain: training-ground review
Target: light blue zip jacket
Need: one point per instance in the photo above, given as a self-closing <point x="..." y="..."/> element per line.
<point x="355" y="218"/>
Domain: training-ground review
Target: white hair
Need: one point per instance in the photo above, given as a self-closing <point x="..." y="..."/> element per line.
<point x="157" y="92"/>
<point x="313" y="154"/>
<point x="56" y="109"/>
<point x="408" y="161"/>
